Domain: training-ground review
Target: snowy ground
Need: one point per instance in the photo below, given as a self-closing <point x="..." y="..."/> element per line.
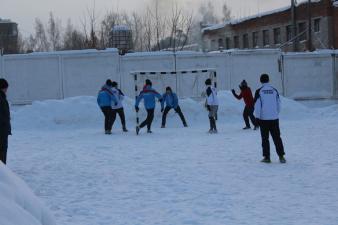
<point x="177" y="175"/>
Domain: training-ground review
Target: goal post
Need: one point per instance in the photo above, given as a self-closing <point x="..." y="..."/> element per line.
<point x="186" y="83"/>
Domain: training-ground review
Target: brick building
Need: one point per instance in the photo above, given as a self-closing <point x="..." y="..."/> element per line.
<point x="8" y="36"/>
<point x="275" y="29"/>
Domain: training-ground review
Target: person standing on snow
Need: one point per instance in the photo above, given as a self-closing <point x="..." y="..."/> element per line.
<point x="5" y="123"/>
<point x="267" y="108"/>
<point x="249" y="108"/>
<point x="118" y="108"/>
<point x="171" y="101"/>
<point x="149" y="95"/>
<point x="105" y="100"/>
<point x="212" y="105"/>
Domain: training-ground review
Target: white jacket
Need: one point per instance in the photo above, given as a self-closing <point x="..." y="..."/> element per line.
<point x="267" y="103"/>
<point x="119" y="97"/>
<point x="212" y="98"/>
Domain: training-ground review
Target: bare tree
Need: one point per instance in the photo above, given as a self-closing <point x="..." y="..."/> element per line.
<point x="72" y="38"/>
<point x="41" y="41"/>
<point x="226" y="12"/>
<point x="54" y="32"/>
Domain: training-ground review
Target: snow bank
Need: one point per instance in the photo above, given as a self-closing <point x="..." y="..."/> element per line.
<point x="18" y="204"/>
<point x="83" y="111"/>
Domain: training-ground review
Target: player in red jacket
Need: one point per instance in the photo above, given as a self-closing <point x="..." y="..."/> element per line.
<point x="249" y="109"/>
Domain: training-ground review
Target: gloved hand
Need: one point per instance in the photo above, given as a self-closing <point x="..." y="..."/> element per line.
<point x="137" y="108"/>
<point x="233" y="91"/>
<point x="208" y="107"/>
<point x="162" y="109"/>
<point x="115" y="104"/>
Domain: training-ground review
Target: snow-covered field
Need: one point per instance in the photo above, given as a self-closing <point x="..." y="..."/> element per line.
<point x="176" y="175"/>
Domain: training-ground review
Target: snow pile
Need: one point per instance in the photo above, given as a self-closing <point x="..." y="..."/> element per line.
<point x="83" y="111"/>
<point x="18" y="204"/>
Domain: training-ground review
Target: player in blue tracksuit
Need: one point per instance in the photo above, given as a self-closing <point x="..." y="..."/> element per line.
<point x="149" y="96"/>
<point x="171" y="101"/>
<point x="105" y="100"/>
<point x="267" y="108"/>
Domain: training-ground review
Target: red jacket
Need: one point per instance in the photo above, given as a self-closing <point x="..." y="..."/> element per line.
<point x="246" y="94"/>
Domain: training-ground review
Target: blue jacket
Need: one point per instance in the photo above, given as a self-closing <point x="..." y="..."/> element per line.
<point x="149" y="96"/>
<point x="170" y="100"/>
<point x="106" y="97"/>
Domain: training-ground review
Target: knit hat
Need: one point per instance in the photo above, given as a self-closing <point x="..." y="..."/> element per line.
<point x="114" y="84"/>
<point x="109" y="83"/>
<point x="208" y="82"/>
<point x="244" y="84"/>
<point x="3" y="83"/>
<point x="168" y="89"/>
<point x="148" y="82"/>
<point x="264" y="78"/>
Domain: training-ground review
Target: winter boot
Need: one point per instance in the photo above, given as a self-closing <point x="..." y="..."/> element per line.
<point x="282" y="159"/>
<point x="124" y="129"/>
<point x="108" y="132"/>
<point x="246" y="128"/>
<point x="137" y="130"/>
<point x="266" y="160"/>
<point x="185" y="124"/>
<point x="162" y="126"/>
<point x="149" y="132"/>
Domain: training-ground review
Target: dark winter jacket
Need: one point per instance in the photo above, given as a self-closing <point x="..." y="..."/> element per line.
<point x="246" y="94"/>
<point x="170" y="100"/>
<point x="5" y="117"/>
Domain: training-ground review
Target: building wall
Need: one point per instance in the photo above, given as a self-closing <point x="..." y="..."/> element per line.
<point x="323" y="39"/>
<point x="8" y="37"/>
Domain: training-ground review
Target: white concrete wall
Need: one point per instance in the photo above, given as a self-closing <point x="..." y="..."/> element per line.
<point x="57" y="75"/>
<point x="309" y="75"/>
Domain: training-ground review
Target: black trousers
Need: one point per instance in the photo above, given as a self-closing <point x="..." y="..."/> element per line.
<point x="3" y="147"/>
<point x="149" y="119"/>
<point x="108" y="117"/>
<point x="177" y="110"/>
<point x="249" y="113"/>
<point x="119" y="111"/>
<point x="271" y="127"/>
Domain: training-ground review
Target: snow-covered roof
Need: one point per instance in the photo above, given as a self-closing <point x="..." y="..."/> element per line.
<point x="5" y="20"/>
<point x="240" y="20"/>
<point x="121" y="28"/>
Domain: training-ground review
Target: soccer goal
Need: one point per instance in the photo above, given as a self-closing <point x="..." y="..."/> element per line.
<point x="186" y="83"/>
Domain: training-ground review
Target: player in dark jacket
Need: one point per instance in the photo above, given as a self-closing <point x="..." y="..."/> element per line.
<point x="249" y="108"/>
<point x="5" y="123"/>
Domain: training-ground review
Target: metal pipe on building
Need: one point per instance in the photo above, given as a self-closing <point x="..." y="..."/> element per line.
<point x="294" y="25"/>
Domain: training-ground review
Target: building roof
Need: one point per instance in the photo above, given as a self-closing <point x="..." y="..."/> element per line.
<point x="267" y="13"/>
<point x="6" y="21"/>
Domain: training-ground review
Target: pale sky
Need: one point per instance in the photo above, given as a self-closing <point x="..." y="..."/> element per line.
<point x="24" y="12"/>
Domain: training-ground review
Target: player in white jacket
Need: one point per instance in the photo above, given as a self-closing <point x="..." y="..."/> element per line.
<point x="267" y="108"/>
<point x="118" y="108"/>
<point x="212" y="105"/>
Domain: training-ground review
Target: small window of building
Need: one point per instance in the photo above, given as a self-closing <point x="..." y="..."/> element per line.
<point x="288" y="33"/>
<point x="220" y="43"/>
<point x="227" y="43"/>
<point x="316" y="25"/>
<point x="266" y="37"/>
<point x="277" y="36"/>
<point x="245" y="41"/>
<point x="236" y="42"/>
<point x="302" y="31"/>
<point x="255" y="39"/>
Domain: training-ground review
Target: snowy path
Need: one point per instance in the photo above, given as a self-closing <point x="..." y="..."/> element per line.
<point x="182" y="176"/>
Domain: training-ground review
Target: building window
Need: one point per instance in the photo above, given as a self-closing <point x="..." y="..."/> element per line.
<point x="220" y="43"/>
<point x="255" y="39"/>
<point x="245" y="41"/>
<point x="317" y="25"/>
<point x="227" y="43"/>
<point x="288" y="33"/>
<point x="277" y="36"/>
<point x="213" y="45"/>
<point x="302" y="31"/>
<point x="236" y="41"/>
<point x="266" y="37"/>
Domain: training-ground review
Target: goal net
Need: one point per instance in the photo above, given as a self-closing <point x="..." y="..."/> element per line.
<point x="186" y="83"/>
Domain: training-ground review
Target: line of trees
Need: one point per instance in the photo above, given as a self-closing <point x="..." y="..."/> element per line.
<point x="160" y="25"/>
